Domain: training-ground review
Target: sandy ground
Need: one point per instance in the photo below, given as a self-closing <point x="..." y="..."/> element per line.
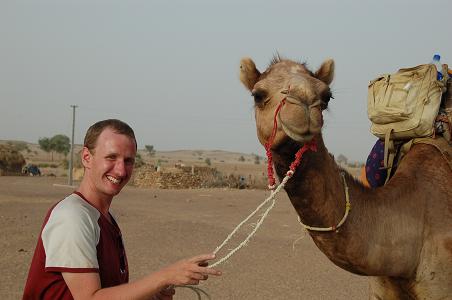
<point x="162" y="226"/>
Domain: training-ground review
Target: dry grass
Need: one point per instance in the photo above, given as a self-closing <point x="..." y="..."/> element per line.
<point x="11" y="160"/>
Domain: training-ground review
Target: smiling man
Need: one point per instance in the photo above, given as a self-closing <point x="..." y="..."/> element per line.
<point x="80" y="252"/>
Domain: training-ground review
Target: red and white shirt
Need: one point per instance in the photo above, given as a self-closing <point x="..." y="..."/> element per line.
<point x="75" y="238"/>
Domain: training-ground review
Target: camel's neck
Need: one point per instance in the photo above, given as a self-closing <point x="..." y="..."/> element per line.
<point x="317" y="193"/>
<point x="316" y="189"/>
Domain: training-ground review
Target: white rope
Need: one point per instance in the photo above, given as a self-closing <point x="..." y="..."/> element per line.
<point x="303" y="235"/>
<point x="289" y="174"/>
<point x="264" y="215"/>
<point x="258" y="224"/>
<point x="198" y="290"/>
<point x="348" y="207"/>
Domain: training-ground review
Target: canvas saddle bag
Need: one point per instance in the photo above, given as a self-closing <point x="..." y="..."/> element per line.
<point x="445" y="115"/>
<point x="404" y="105"/>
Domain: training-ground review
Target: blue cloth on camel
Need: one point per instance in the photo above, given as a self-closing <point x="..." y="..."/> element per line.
<point x="375" y="174"/>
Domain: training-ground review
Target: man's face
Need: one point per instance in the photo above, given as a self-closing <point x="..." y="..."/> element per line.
<point x="109" y="167"/>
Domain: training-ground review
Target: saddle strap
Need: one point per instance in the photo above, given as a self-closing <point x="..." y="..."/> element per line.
<point x="389" y="154"/>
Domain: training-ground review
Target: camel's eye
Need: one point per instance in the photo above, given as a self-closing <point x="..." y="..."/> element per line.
<point x="325" y="99"/>
<point x="259" y="96"/>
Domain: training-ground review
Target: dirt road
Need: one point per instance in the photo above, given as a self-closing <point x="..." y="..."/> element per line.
<point x="162" y="226"/>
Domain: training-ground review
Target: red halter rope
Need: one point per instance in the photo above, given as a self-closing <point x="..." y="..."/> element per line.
<point x="311" y="145"/>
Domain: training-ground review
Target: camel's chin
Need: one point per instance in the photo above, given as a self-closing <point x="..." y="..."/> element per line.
<point x="298" y="137"/>
<point x="295" y="126"/>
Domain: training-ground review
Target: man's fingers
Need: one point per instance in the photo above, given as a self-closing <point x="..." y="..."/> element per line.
<point x="202" y="258"/>
<point x="201" y="275"/>
<point x="203" y="264"/>
<point x="197" y="276"/>
<point x="208" y="271"/>
<point x="193" y="282"/>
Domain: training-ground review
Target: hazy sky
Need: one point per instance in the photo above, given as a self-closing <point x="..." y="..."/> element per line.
<point x="170" y="68"/>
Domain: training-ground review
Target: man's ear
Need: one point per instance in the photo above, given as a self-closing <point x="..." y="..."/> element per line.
<point x="86" y="157"/>
<point x="248" y="73"/>
<point x="326" y="71"/>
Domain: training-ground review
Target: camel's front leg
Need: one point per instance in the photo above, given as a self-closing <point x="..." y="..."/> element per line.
<point x="387" y="288"/>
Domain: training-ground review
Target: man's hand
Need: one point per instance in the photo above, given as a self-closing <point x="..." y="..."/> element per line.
<point x="189" y="271"/>
<point x="185" y="272"/>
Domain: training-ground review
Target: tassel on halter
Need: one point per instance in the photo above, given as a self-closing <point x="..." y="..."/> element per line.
<point x="268" y="144"/>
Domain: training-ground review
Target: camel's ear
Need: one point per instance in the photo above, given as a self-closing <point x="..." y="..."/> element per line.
<point x="248" y="73"/>
<point x="326" y="71"/>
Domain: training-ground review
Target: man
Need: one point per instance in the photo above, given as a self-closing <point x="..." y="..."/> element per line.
<point x="80" y="252"/>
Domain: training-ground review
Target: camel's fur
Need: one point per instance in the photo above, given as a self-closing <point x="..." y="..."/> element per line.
<point x="400" y="233"/>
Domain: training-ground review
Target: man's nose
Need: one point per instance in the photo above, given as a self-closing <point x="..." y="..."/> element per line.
<point x="120" y="168"/>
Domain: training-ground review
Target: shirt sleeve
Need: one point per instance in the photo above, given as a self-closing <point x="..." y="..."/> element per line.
<point x="70" y="240"/>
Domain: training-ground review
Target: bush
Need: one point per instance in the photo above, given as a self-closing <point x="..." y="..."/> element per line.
<point x="11" y="160"/>
<point x="150" y="149"/>
<point x="257" y="159"/>
<point x="65" y="164"/>
<point x="19" y="146"/>
<point x="46" y="165"/>
<point x="139" y="162"/>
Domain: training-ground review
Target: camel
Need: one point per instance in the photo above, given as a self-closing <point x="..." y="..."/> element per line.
<point x="400" y="235"/>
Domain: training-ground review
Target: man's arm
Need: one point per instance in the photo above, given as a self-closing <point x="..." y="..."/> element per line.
<point x="185" y="272"/>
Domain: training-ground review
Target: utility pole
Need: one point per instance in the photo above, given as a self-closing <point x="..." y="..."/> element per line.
<point x="71" y="161"/>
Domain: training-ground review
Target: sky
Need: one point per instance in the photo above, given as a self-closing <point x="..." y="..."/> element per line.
<point x="170" y="68"/>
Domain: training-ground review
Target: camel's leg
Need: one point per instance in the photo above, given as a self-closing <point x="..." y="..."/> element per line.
<point x="387" y="288"/>
<point x="433" y="279"/>
<point x="436" y="284"/>
<point x="434" y="274"/>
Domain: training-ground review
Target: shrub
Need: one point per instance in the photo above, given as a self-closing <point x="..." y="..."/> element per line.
<point x="150" y="149"/>
<point x="65" y="164"/>
<point x="139" y="162"/>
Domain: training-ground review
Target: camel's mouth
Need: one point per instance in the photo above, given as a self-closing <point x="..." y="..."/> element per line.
<point x="294" y="134"/>
<point x="296" y="124"/>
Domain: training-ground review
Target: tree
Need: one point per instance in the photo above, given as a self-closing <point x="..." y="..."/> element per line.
<point x="150" y="149"/>
<point x="60" y="144"/>
<point x="44" y="144"/>
<point x="241" y="158"/>
<point x="257" y="159"/>
<point x="207" y="161"/>
<point x="341" y="159"/>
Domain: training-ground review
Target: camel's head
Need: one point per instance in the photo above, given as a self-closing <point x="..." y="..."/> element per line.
<point x="306" y="94"/>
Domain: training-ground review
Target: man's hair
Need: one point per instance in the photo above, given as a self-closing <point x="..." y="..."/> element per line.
<point x="97" y="128"/>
